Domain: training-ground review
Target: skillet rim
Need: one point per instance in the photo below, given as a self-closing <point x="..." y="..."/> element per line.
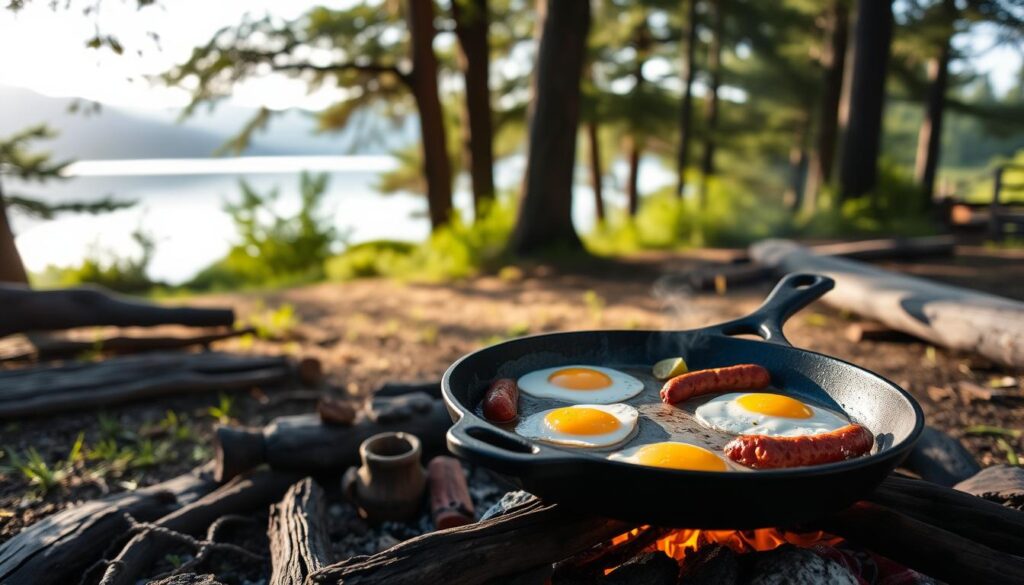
<point x="585" y="457"/>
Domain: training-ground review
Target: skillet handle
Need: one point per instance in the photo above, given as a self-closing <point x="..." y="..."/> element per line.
<point x="794" y="292"/>
<point x="502" y="451"/>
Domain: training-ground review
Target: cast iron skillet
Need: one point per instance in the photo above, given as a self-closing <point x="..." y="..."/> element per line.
<point x="666" y="497"/>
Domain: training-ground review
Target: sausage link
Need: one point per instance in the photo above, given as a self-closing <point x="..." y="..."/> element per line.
<point x="696" y="383"/>
<point x="764" y="452"/>
<point x="501" y="401"/>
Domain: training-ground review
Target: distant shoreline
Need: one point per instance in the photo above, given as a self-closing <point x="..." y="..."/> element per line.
<point x="229" y="165"/>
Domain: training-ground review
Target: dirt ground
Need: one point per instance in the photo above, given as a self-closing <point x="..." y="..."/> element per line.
<point x="372" y="331"/>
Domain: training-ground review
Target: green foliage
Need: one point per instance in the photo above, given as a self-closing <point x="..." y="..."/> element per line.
<point x="40" y="474"/>
<point x="273" y="249"/>
<point x="224" y="411"/>
<point x="457" y="250"/>
<point x="108" y="269"/>
<point x="272" y="324"/>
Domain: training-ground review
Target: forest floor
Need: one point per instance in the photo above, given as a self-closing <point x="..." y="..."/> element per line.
<point x="372" y="331"/>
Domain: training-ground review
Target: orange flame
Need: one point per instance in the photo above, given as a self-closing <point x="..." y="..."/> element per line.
<point x="679" y="543"/>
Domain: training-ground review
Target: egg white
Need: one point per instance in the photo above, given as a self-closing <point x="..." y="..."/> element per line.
<point x="725" y="414"/>
<point x="535" y="427"/>
<point x="623" y="386"/>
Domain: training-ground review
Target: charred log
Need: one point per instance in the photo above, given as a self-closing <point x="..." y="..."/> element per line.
<point x="299" y="544"/>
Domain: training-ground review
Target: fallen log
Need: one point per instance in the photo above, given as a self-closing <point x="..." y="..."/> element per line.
<point x="949" y="316"/>
<point x="530" y="535"/>
<point x="938" y="553"/>
<point x="1002" y="484"/>
<point x="60" y="547"/>
<point x="187" y="579"/>
<point x="940" y="458"/>
<point x="431" y="388"/>
<point x="299" y="544"/>
<point x="304" y="443"/>
<point x="46" y="310"/>
<point x="51" y="347"/>
<point x="242" y="494"/>
<point x="980" y="520"/>
<point x="869" y="331"/>
<point x="81" y="385"/>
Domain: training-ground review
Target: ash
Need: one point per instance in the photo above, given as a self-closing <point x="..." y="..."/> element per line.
<point x="352" y="535"/>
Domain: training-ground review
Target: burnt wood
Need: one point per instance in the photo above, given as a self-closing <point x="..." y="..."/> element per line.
<point x="58" y="549"/>
<point x="52" y="347"/>
<point x="29" y="310"/>
<point x="450" y="503"/>
<point x="529" y="535"/>
<point x="942" y="554"/>
<point x="305" y="444"/>
<point x="299" y="544"/>
<point x="82" y="385"/>
<point x="241" y="494"/>
<point x="1002" y="484"/>
<point x="187" y="579"/>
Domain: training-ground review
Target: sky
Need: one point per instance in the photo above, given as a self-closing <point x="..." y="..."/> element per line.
<point x="51" y="58"/>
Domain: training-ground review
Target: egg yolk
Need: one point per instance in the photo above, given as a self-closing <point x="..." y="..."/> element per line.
<point x="678" y="456"/>
<point x="774" y="405"/>
<point x="581" y="421"/>
<point x="580" y="379"/>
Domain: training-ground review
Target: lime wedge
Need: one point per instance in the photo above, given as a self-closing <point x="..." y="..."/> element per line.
<point x="670" y="368"/>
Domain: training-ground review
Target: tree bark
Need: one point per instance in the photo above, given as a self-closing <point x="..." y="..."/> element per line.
<point x="687" y="72"/>
<point x="299" y="544"/>
<point x="632" y="194"/>
<point x="707" y="165"/>
<point x="12" y="269"/>
<point x="858" y="173"/>
<point x="794" y="195"/>
<point x="545" y="212"/>
<point x="635" y="142"/>
<point x="423" y="81"/>
<point x="596" y="176"/>
<point x="836" y="25"/>
<point x="471" y="26"/>
<point x="929" y="138"/>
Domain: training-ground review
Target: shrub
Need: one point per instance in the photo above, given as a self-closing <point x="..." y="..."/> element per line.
<point x="105" y="268"/>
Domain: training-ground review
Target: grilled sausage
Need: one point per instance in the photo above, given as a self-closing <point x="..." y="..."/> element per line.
<point x="696" y="383"/>
<point x="501" y="401"/>
<point x="764" y="452"/>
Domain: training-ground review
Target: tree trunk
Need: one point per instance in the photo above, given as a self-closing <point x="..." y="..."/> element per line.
<point x="545" y="212"/>
<point x="687" y="73"/>
<point x="436" y="166"/>
<point x="596" y="177"/>
<point x="834" y="62"/>
<point x="11" y="267"/>
<point x="929" y="139"/>
<point x="632" y="194"/>
<point x="858" y="173"/>
<point x="471" y="26"/>
<point x="794" y="194"/>
<point x="635" y="140"/>
<point x="707" y="166"/>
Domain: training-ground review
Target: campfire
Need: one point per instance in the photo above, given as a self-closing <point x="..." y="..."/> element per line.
<point x="680" y="543"/>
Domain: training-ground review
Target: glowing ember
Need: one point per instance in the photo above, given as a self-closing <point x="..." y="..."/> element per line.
<point x="680" y="542"/>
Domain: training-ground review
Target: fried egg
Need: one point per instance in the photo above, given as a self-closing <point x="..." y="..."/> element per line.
<point x="582" y="425"/>
<point x="671" y="455"/>
<point x="581" y="384"/>
<point x="764" y="413"/>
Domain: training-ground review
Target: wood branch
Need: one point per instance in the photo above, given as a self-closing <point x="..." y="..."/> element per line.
<point x="29" y="310"/>
<point x="528" y="536"/>
<point x="1002" y="484"/>
<point x="187" y="579"/>
<point x="374" y="68"/>
<point x="871" y="331"/>
<point x="450" y="504"/>
<point x="941" y="459"/>
<point x="721" y="278"/>
<point x="81" y="385"/>
<point x="304" y="443"/>
<point x="971" y="392"/>
<point x="391" y="389"/>
<point x="942" y="554"/>
<point x="969" y="516"/>
<point x="299" y="544"/>
<point x="50" y="347"/>
<point x="242" y="494"/>
<point x="60" y="547"/>
<point x="949" y="316"/>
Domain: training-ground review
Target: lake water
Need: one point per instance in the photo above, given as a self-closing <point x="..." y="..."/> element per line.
<point x="180" y="202"/>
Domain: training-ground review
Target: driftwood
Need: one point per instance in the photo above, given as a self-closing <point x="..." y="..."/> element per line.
<point x="1002" y="484"/>
<point x="299" y="544"/>
<point x="52" y="347"/>
<point x="304" y="443"/>
<point x="943" y="554"/>
<point x="530" y="535"/>
<point x="950" y="316"/>
<point x="941" y="459"/>
<point x="29" y="310"/>
<point x="242" y="494"/>
<point x="81" y="385"/>
<point x="969" y="516"/>
<point x="450" y="504"/>
<point x="59" y="548"/>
